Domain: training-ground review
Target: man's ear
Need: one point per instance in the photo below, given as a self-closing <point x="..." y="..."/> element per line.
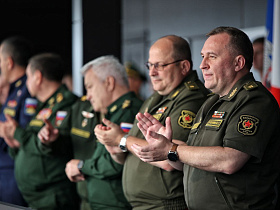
<point x="110" y="83"/>
<point x="38" y="76"/>
<point x="239" y="62"/>
<point x="186" y="67"/>
<point x="10" y="62"/>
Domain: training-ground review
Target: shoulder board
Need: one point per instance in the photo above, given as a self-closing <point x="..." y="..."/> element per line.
<point x="250" y="85"/>
<point x="191" y="85"/>
<point x="83" y="98"/>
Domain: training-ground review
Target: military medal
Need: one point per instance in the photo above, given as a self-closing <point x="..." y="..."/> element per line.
<point x="86" y="115"/>
<point x="218" y="114"/>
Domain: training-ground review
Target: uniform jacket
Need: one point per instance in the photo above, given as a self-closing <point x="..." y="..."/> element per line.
<point x="40" y="169"/>
<point x="246" y="119"/>
<point x="21" y="106"/>
<point x="103" y="173"/>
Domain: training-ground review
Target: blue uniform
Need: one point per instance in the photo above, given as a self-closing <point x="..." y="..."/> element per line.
<point x="21" y="106"/>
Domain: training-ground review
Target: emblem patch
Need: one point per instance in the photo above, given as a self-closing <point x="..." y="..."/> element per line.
<point x="186" y="119"/>
<point x="60" y="115"/>
<point x="12" y="103"/>
<point x="126" y="126"/>
<point x="248" y="125"/>
<point x="30" y="106"/>
<point x="59" y="97"/>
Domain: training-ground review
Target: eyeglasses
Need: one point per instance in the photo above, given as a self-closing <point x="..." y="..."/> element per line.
<point x="160" y="67"/>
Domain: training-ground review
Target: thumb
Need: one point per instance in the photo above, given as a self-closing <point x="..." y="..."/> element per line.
<point x="168" y="128"/>
<point x="8" y="117"/>
<point x="48" y="124"/>
<point x="108" y="123"/>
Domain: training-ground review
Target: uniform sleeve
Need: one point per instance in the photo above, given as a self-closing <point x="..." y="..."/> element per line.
<point x="252" y="126"/>
<point x="101" y="165"/>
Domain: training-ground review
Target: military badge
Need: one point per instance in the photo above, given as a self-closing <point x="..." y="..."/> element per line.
<point x="175" y="94"/>
<point x="12" y="103"/>
<point x="126" y="104"/>
<point x="113" y="108"/>
<point x="59" y="97"/>
<point x="232" y="93"/>
<point x="161" y="110"/>
<point x="84" y="122"/>
<point x="9" y="111"/>
<point x="218" y="114"/>
<point x="60" y="115"/>
<point x="30" y="106"/>
<point x="18" y="83"/>
<point x="214" y="123"/>
<point x="126" y="126"/>
<point x="186" y="119"/>
<point x="87" y="114"/>
<point x="36" y="123"/>
<point x="44" y="114"/>
<point x="51" y="101"/>
<point x="19" y="92"/>
<point x="81" y="133"/>
<point x="248" y="125"/>
<point x="157" y="116"/>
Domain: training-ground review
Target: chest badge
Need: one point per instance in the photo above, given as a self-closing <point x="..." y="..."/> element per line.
<point x="44" y="114"/>
<point x="186" y="119"/>
<point x="218" y="114"/>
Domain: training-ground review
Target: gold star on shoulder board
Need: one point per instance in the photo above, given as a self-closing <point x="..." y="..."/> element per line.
<point x="126" y="104"/>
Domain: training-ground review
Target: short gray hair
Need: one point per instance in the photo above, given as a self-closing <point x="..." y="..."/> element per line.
<point x="105" y="66"/>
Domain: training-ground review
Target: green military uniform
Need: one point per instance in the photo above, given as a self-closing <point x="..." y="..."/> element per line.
<point x="40" y="169"/>
<point x="82" y="122"/>
<point x="102" y="173"/>
<point x="247" y="119"/>
<point x="149" y="187"/>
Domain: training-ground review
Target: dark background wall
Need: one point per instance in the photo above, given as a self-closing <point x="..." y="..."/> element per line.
<point x="48" y="24"/>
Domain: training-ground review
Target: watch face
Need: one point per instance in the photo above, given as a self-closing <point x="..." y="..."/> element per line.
<point x="172" y="156"/>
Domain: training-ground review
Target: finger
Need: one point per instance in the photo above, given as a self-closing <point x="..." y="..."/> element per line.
<point x="108" y="123"/>
<point x="142" y="129"/>
<point x="168" y="128"/>
<point x="144" y="119"/>
<point x="9" y="118"/>
<point x="48" y="124"/>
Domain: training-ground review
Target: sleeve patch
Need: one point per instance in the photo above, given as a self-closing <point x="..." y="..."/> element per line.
<point x="186" y="119"/>
<point x="248" y="125"/>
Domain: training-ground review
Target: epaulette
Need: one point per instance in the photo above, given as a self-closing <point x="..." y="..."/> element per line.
<point x="83" y="98"/>
<point x="191" y="85"/>
<point x="250" y="85"/>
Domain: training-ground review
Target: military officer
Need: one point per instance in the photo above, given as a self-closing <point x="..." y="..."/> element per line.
<point x="232" y="152"/>
<point x="179" y="94"/>
<point x="14" y="55"/>
<point x="39" y="165"/>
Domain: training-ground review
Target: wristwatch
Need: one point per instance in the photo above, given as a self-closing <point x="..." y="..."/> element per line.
<point x="122" y="144"/>
<point x="80" y="165"/>
<point x="172" y="154"/>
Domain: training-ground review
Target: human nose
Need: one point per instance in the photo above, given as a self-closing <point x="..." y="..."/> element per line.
<point x="203" y="64"/>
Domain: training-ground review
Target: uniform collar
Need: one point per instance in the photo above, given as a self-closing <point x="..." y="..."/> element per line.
<point x="240" y="84"/>
<point x="19" y="82"/>
<point x="117" y="103"/>
<point x="174" y="93"/>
